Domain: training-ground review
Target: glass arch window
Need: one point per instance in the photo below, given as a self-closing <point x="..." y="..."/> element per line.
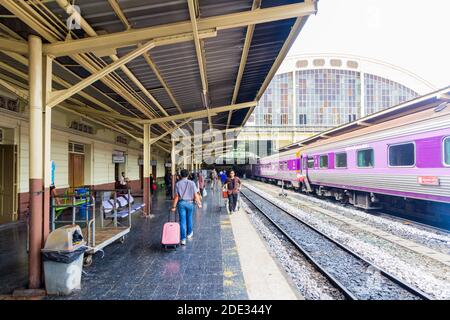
<point x="326" y="97"/>
<point x="382" y="93"/>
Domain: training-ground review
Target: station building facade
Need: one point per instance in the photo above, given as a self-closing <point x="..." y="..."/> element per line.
<point x="313" y="93"/>
<point x="83" y="153"/>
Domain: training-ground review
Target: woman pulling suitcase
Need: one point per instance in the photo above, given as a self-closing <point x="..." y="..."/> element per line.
<point x="186" y="196"/>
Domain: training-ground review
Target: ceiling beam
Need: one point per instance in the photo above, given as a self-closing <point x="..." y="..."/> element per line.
<point x="14" y="46"/>
<point x="118" y="10"/>
<point x="88" y="110"/>
<point x="198" y="49"/>
<point x="92" y="33"/>
<point x="133" y="37"/>
<point x="24" y="12"/>
<point x="243" y="63"/>
<point x="170" y="131"/>
<point x="295" y="31"/>
<point x="201" y="113"/>
<point x="61" y="95"/>
<point x="21" y="59"/>
<point x="193" y="9"/>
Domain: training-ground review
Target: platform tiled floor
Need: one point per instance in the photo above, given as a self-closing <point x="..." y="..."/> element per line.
<point x="13" y="257"/>
<point x="207" y="268"/>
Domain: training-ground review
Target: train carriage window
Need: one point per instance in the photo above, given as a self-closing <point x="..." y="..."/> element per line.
<point x="310" y="162"/>
<point x="341" y="160"/>
<point x="365" y="158"/>
<point x="447" y="151"/>
<point x="402" y="155"/>
<point x="323" y="162"/>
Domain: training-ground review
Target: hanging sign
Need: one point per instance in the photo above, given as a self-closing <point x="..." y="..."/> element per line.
<point x="118" y="158"/>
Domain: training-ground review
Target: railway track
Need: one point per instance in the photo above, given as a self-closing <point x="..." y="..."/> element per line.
<point x="352" y="275"/>
<point x="430" y="248"/>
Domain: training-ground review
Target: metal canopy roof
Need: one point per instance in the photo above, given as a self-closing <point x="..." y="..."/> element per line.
<point x="168" y="79"/>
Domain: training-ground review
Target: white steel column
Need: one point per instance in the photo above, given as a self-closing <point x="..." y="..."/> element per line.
<point x="173" y="167"/>
<point x="147" y="169"/>
<point x="294" y="100"/>
<point x="35" y="160"/>
<point x="363" y="96"/>
<point x="47" y="81"/>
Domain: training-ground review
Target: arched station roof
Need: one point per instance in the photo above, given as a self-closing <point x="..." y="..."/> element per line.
<point x="359" y="64"/>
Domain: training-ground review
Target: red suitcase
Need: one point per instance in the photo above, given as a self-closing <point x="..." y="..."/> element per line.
<point x="171" y="233"/>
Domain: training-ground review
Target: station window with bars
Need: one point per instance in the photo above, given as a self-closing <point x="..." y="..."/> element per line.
<point x="75" y="147"/>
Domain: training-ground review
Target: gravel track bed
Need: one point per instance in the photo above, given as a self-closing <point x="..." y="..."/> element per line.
<point x="360" y="278"/>
<point x="427" y="236"/>
<point x="310" y="283"/>
<point x="421" y="272"/>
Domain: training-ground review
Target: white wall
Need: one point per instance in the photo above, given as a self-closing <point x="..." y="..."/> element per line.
<point x="99" y="168"/>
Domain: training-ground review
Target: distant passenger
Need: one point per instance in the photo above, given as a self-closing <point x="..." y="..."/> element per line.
<point x="214" y="179"/>
<point x="152" y="182"/>
<point x="201" y="183"/>
<point x="223" y="177"/>
<point x="168" y="183"/>
<point x="233" y="186"/>
<point x="123" y="181"/>
<point x="186" y="195"/>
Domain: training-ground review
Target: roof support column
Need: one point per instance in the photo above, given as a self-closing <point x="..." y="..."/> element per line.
<point x="47" y="82"/>
<point x="362" y="95"/>
<point x="173" y="167"/>
<point x="36" y="161"/>
<point x="147" y="169"/>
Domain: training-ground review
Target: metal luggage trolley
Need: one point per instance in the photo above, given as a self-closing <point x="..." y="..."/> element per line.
<point x="116" y="207"/>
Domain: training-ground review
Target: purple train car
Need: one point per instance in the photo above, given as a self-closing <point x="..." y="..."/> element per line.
<point x="399" y="154"/>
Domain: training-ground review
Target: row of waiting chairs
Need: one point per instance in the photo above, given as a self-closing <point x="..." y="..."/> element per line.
<point x="124" y="205"/>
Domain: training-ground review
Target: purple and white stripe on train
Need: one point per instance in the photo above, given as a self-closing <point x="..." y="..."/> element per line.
<point x="401" y="153"/>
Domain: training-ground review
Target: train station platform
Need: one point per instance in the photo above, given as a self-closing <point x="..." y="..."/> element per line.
<point x="225" y="260"/>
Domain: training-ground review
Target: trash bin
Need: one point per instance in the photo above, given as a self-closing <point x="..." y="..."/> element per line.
<point x="63" y="260"/>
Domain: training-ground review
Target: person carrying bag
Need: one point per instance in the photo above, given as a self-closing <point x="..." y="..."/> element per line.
<point x="233" y="185"/>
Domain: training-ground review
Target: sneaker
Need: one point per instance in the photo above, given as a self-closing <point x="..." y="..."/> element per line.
<point x="183" y="242"/>
<point x="190" y="235"/>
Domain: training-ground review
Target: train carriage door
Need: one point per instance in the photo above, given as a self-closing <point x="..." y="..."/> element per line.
<point x="298" y="162"/>
<point x="8" y="184"/>
<point x="305" y="164"/>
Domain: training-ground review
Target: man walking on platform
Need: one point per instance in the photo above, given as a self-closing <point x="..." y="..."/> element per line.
<point x="233" y="186"/>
